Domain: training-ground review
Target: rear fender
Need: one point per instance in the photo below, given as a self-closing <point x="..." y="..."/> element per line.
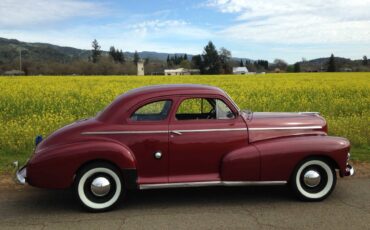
<point x="55" y="167"/>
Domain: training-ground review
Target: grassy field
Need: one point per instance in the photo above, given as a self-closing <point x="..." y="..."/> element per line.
<point x="39" y="105"/>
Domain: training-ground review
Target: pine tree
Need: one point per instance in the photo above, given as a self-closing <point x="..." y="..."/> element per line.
<point x="297" y="67"/>
<point x="95" y="52"/>
<point x="185" y="57"/>
<point x="136" y="57"/>
<point x="120" y="56"/>
<point x="241" y="64"/>
<point x="211" y="59"/>
<point x="112" y="52"/>
<point x="331" y="64"/>
<point x="168" y="60"/>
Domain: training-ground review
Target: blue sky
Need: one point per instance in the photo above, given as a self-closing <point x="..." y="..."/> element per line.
<point x="257" y="29"/>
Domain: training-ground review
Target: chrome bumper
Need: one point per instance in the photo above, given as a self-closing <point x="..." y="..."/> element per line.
<point x="21" y="175"/>
<point x="350" y="171"/>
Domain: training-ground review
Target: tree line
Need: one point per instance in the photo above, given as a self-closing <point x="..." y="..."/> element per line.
<point x="210" y="61"/>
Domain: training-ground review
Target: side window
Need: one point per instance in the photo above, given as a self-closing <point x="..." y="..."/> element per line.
<point x="203" y="108"/>
<point x="154" y="111"/>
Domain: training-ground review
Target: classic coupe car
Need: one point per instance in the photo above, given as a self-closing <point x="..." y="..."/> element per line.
<point x="171" y="136"/>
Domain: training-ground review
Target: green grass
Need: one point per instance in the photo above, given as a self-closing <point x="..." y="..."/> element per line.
<point x="40" y="105"/>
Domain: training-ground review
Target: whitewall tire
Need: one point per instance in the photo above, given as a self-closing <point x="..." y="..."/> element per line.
<point x="99" y="186"/>
<point x="314" y="179"/>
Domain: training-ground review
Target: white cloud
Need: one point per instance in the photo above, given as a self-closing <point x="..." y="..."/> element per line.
<point x="297" y="21"/>
<point x="33" y="12"/>
<point x="177" y="29"/>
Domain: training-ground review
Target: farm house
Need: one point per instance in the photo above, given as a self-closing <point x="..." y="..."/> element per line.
<point x="180" y="71"/>
<point x="240" y="70"/>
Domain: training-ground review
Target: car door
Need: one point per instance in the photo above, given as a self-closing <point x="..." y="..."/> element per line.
<point x="203" y="129"/>
<point x="147" y="127"/>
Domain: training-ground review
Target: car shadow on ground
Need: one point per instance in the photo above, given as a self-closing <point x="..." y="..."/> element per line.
<point x="44" y="201"/>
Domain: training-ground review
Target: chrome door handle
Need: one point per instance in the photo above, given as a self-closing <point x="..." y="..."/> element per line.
<point x="176" y="132"/>
<point x="158" y="155"/>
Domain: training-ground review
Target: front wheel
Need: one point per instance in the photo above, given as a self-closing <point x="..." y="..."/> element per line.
<point x="99" y="186"/>
<point x="313" y="180"/>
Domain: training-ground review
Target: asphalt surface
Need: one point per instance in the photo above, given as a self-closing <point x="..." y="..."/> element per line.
<point x="197" y="208"/>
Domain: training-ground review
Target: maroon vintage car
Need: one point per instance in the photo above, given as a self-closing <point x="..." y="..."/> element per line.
<point x="171" y="136"/>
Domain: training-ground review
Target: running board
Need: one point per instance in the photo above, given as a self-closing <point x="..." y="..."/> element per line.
<point x="209" y="183"/>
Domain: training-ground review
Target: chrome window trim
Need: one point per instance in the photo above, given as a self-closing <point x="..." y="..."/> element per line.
<point x="200" y="130"/>
<point x="209" y="183"/>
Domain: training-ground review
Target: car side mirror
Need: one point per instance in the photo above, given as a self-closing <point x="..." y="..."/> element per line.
<point x="230" y="115"/>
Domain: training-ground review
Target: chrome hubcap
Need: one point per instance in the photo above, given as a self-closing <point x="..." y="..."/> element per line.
<point x="100" y="186"/>
<point x="312" y="178"/>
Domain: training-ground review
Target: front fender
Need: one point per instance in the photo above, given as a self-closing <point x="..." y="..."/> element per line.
<point x="55" y="167"/>
<point x="279" y="157"/>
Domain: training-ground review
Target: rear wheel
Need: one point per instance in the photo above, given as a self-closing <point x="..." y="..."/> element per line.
<point x="313" y="180"/>
<point x="99" y="186"/>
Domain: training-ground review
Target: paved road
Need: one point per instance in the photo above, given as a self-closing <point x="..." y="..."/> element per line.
<point x="205" y="208"/>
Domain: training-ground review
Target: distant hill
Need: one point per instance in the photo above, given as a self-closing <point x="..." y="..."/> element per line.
<point x="9" y="50"/>
<point x="320" y="64"/>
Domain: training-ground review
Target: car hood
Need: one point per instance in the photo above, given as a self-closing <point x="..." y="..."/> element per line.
<point x="263" y="126"/>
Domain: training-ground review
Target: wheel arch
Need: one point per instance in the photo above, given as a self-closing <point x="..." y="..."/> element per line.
<point x="318" y="156"/>
<point x="129" y="175"/>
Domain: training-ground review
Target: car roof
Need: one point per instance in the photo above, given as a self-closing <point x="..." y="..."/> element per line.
<point x="128" y="99"/>
<point x="169" y="89"/>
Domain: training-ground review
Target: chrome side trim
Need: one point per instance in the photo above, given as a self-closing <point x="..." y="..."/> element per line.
<point x="209" y="183"/>
<point x="179" y="132"/>
<point x="124" y="132"/>
<point x="310" y="113"/>
<point x="209" y="130"/>
<point x="285" y="128"/>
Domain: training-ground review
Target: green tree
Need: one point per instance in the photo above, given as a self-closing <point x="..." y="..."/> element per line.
<point x="297" y="67"/>
<point x="197" y="62"/>
<point x="168" y="60"/>
<point x="117" y="55"/>
<point x="225" y="58"/>
<point x="185" y="57"/>
<point x="136" y="57"/>
<point x="261" y="65"/>
<point x="185" y="64"/>
<point x="120" y="56"/>
<point x="211" y="59"/>
<point x="95" y="52"/>
<point x="364" y="60"/>
<point x="280" y="64"/>
<point x="331" y="64"/>
<point x="241" y="64"/>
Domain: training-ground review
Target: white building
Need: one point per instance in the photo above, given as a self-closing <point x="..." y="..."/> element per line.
<point x="180" y="71"/>
<point x="240" y="70"/>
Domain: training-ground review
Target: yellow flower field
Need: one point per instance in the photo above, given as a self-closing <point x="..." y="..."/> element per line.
<point x="40" y="105"/>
